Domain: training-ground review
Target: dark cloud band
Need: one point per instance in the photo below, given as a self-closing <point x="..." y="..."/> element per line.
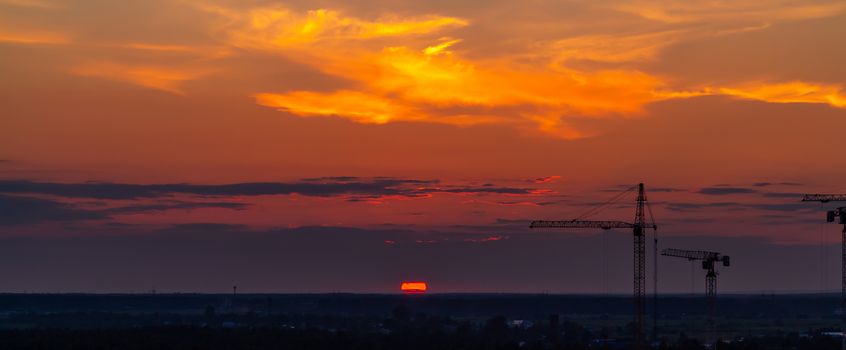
<point x="320" y="187"/>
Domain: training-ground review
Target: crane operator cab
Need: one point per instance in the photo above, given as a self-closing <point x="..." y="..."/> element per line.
<point x="831" y="214"/>
<point x="709" y="264"/>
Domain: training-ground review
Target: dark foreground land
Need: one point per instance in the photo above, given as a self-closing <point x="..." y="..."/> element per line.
<point x="440" y="321"/>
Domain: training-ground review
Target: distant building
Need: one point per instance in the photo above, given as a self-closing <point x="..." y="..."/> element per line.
<point x="521" y="324"/>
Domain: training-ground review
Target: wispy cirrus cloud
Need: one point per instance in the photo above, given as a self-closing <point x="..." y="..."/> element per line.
<point x="790" y="92"/>
<point x="33" y="37"/>
<point x="678" y="11"/>
<point x="165" y="78"/>
<point x="280" y="27"/>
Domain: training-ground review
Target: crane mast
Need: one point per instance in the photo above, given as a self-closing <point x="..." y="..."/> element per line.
<point x="831" y="215"/>
<point x="639" y="267"/>
<point x="639" y="252"/>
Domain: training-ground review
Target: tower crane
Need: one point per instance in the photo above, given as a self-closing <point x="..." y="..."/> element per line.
<point x="831" y="215"/>
<point x="639" y="252"/>
<point x="709" y="263"/>
<point x="709" y="260"/>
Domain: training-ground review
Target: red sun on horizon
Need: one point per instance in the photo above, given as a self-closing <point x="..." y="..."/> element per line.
<point x="413" y="287"/>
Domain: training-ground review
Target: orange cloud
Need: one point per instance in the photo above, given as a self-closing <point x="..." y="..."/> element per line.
<point x="360" y="107"/>
<point x="160" y="78"/>
<point x="790" y="92"/>
<point x="401" y="84"/>
<point x="546" y="179"/>
<point x="426" y="79"/>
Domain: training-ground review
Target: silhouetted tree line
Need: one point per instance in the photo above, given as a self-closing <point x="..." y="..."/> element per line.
<point x="402" y="329"/>
<point x="494" y="335"/>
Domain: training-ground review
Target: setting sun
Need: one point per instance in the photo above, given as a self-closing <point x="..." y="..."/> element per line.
<point x="413" y="287"/>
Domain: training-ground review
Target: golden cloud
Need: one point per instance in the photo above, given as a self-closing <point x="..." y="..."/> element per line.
<point x="360" y="107"/>
<point x="279" y="27"/>
<point x="403" y="83"/>
<point x="790" y="92"/>
<point x="404" y="69"/>
<point x="398" y="84"/>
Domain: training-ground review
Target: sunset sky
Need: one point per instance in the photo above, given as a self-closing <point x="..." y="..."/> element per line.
<point x="314" y="146"/>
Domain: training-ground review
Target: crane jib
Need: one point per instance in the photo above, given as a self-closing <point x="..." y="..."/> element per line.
<point x="605" y="225"/>
<point x="824" y="198"/>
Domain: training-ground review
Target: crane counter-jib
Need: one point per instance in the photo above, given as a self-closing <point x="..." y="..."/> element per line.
<point x="824" y="198"/>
